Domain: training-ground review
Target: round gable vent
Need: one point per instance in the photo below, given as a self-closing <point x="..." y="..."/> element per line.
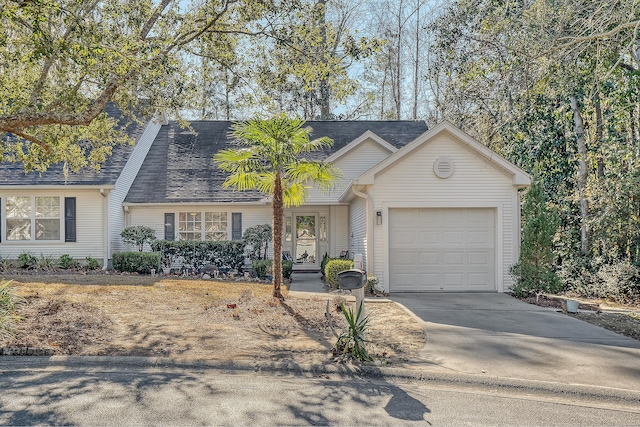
<point x="443" y="168"/>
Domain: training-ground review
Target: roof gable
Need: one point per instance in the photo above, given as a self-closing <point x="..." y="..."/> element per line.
<point x="368" y="135"/>
<point x="519" y="177"/>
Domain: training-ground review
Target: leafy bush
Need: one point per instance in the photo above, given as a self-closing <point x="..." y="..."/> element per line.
<point x="46" y="263"/>
<point x="258" y="237"/>
<point x="138" y="235"/>
<point x="227" y="255"/>
<point x="91" y="263"/>
<point x="262" y="268"/>
<point x="535" y="271"/>
<point x="352" y="342"/>
<point x="66" y="262"/>
<point x="27" y="260"/>
<point x="9" y="300"/>
<point x="335" y="266"/>
<point x="595" y="278"/>
<point x="287" y="269"/>
<point x="136" y="262"/>
<point x="372" y="285"/>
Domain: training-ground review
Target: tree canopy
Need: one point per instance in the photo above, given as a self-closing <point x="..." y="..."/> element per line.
<point x="62" y="61"/>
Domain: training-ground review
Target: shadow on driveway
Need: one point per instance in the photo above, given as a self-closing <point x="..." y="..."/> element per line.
<point x="497" y="335"/>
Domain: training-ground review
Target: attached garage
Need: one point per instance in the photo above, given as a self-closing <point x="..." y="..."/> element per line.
<point x="442" y="214"/>
<point x="440" y="249"/>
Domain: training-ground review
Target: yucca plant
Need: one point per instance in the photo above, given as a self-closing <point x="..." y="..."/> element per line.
<point x="9" y="301"/>
<point x="352" y="342"/>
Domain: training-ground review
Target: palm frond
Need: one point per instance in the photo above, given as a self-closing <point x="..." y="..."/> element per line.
<point x="323" y="175"/>
<point x="294" y="194"/>
<point x="243" y="181"/>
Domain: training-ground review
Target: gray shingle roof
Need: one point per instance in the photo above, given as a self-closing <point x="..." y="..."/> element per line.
<point x="13" y="173"/>
<point x="179" y="167"/>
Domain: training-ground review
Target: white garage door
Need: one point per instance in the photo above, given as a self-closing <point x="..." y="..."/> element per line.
<point x="442" y="250"/>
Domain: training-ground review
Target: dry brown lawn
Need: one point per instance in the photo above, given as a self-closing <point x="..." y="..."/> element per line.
<point x="101" y="314"/>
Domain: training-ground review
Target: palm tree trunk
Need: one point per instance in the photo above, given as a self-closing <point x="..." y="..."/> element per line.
<point x="278" y="214"/>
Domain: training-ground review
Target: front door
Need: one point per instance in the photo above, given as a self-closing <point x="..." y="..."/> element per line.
<point x="305" y="244"/>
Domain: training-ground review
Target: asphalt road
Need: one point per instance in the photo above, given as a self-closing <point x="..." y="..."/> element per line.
<point x="57" y="395"/>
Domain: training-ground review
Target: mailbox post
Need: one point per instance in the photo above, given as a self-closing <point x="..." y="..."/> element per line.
<point x="354" y="280"/>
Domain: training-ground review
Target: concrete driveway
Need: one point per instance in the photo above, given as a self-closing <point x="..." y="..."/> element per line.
<point x="499" y="336"/>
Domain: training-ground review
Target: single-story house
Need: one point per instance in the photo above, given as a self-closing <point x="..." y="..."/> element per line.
<point x="429" y="209"/>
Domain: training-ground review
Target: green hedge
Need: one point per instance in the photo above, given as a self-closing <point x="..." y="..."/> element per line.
<point x="325" y="261"/>
<point x="136" y="262"/>
<point x="226" y="255"/>
<point x="262" y="267"/>
<point x="335" y="266"/>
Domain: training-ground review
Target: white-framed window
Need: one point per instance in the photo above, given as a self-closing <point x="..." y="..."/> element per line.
<point x="202" y="226"/>
<point x="30" y="218"/>
<point x="189" y="226"/>
<point x="215" y="226"/>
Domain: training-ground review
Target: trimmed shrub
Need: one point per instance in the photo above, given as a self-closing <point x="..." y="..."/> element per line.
<point x="66" y="262"/>
<point x="136" y="262"/>
<point x="325" y="260"/>
<point x="225" y="255"/>
<point x="335" y="266"/>
<point x="263" y="267"/>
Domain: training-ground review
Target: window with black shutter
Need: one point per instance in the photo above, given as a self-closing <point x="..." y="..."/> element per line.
<point x="236" y="226"/>
<point x="69" y="219"/>
<point x="169" y="226"/>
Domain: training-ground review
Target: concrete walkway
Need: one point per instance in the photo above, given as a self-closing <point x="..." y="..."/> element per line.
<point x="307" y="282"/>
<point x="499" y="336"/>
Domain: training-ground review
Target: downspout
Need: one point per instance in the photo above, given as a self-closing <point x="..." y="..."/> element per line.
<point x="369" y="233"/>
<point x="106" y="233"/>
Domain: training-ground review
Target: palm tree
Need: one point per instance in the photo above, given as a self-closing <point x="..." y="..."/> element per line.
<point x="272" y="162"/>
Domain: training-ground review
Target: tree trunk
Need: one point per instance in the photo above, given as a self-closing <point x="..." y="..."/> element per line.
<point x="599" y="134"/>
<point x="278" y="215"/>
<point x="582" y="174"/>
<point x="325" y="89"/>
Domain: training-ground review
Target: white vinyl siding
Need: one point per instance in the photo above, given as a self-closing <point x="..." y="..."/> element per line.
<point x="357" y="161"/>
<point x="358" y="227"/>
<point x="339" y="229"/>
<point x="476" y="183"/>
<point x="90" y="207"/>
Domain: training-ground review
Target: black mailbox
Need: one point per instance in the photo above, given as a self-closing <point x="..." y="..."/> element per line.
<point x="352" y="279"/>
